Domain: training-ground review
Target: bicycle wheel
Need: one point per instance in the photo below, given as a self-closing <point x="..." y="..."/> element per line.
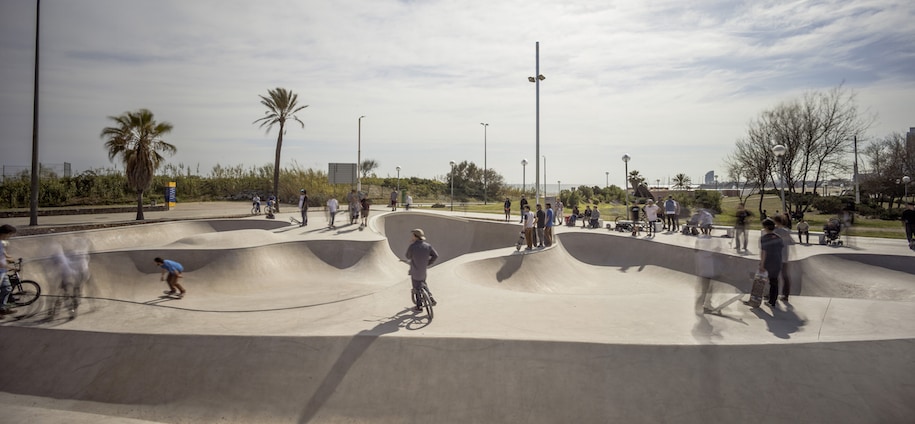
<point x="25" y="293"/>
<point x="255" y="211"/>
<point x="427" y="303"/>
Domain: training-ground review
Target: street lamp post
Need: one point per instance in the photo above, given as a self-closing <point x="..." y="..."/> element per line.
<point x="452" y="185"/>
<point x="779" y="152"/>
<point x="536" y="80"/>
<point x="626" y="180"/>
<point x="359" y="159"/>
<point x="905" y="182"/>
<point x="398" y="182"/>
<point x="523" y="176"/>
<point x="607" y="175"/>
<point x="484" y="161"/>
<point x="544" y="178"/>
<point x="716" y="182"/>
<point x="558" y="188"/>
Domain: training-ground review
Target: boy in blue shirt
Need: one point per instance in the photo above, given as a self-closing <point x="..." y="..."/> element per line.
<point x="173" y="270"/>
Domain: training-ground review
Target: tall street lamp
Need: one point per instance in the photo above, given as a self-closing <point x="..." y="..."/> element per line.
<point x="536" y="80"/>
<point x="626" y="180"/>
<point x="607" y="175"/>
<point x="905" y="182"/>
<point x="779" y="152"/>
<point x="484" y="161"/>
<point x="398" y="180"/>
<point x="523" y="176"/>
<point x="359" y="159"/>
<point x="452" y="185"/>
<point x="544" y="177"/>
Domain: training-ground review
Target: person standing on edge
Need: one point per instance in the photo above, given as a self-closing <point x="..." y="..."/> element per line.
<point x="527" y="218"/>
<point x="6" y="231"/>
<point x="523" y="203"/>
<point x="587" y="217"/>
<point x="507" y="207"/>
<point x="740" y="226"/>
<point x="409" y="201"/>
<point x="173" y="270"/>
<point x="672" y="212"/>
<point x="559" y="217"/>
<point x="541" y="225"/>
<point x="787" y="241"/>
<point x="908" y="220"/>
<point x="332" y="206"/>
<point x="770" y="257"/>
<point x="651" y="215"/>
<point x="421" y="255"/>
<point x="595" y="217"/>
<point x="548" y="228"/>
<point x="393" y="200"/>
<point x="365" y="212"/>
<point x="303" y="206"/>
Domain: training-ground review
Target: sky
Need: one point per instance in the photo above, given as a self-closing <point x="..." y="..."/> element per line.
<point x="673" y="84"/>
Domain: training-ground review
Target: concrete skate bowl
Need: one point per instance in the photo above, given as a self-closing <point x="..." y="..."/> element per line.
<point x="855" y="276"/>
<point x="228" y="266"/>
<point x="376" y="378"/>
<point x="452" y="237"/>
<point x="147" y="235"/>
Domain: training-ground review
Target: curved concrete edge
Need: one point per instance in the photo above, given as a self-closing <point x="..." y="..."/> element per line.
<point x="380" y="378"/>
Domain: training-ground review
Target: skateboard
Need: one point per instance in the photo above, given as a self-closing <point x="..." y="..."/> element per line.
<point x="520" y="242"/>
<point x="170" y="295"/>
<point x="292" y="220"/>
<point x="759" y="287"/>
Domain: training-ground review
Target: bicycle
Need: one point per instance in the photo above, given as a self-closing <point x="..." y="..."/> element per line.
<point x="256" y="209"/>
<point x="25" y="292"/>
<point x="424" y="300"/>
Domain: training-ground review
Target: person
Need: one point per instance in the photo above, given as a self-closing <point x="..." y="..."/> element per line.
<point x="507" y="207"/>
<point x="365" y="211"/>
<point x="523" y="203"/>
<point x="6" y="231"/>
<point x="740" y="226"/>
<point x="272" y="207"/>
<point x="332" y="206"/>
<point x="634" y="212"/>
<point x="672" y="213"/>
<point x="409" y="201"/>
<point x="595" y="217"/>
<point x="256" y="202"/>
<point x="541" y="225"/>
<point x="705" y="222"/>
<point x="528" y="219"/>
<point x="781" y="229"/>
<point x="803" y="230"/>
<point x="770" y="257"/>
<point x="393" y="200"/>
<point x="763" y="215"/>
<point x="651" y="215"/>
<point x="421" y="255"/>
<point x="548" y="228"/>
<point x="303" y="206"/>
<point x="559" y="217"/>
<point x="72" y="266"/>
<point x="574" y="216"/>
<point x="587" y="217"/>
<point x="908" y="221"/>
<point x="173" y="270"/>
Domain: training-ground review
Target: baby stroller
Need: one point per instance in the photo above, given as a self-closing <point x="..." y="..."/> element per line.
<point x="831" y="233"/>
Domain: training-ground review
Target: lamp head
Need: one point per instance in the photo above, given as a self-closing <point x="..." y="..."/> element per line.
<point x="452" y="163"/>
<point x="779" y="150"/>
<point x="523" y="162"/>
<point x="626" y="158"/>
<point x="531" y="79"/>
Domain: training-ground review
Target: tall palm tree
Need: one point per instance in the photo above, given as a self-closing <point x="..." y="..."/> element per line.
<point x="281" y="106"/>
<point x="137" y="139"/>
<point x="682" y="181"/>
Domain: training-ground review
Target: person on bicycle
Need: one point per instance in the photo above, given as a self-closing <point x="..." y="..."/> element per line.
<point x="6" y="231"/>
<point x="421" y="255"/>
<point x="173" y="270"/>
<point x="256" y="202"/>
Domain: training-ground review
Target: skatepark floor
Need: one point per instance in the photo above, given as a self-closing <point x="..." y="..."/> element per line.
<point x="288" y="323"/>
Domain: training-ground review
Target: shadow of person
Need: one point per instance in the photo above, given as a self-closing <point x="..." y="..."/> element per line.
<point x="354" y="350"/>
<point x="510" y="266"/>
<point x="782" y="323"/>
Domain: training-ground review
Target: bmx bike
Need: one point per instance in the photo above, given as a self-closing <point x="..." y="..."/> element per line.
<point x="421" y="297"/>
<point x="256" y="209"/>
<point x="25" y="292"/>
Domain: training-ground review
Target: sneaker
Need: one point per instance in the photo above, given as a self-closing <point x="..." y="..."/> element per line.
<point x="784" y="298"/>
<point x="434" y="303"/>
<point x="170" y="292"/>
<point x="180" y="295"/>
<point x="418" y="309"/>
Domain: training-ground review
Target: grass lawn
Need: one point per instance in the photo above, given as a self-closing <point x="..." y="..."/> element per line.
<point x="863" y="226"/>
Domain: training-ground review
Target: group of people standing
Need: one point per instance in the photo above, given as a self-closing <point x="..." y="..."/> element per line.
<point x="538" y="227"/>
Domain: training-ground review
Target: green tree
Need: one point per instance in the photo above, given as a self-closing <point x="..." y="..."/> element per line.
<point x="281" y="105"/>
<point x="367" y="166"/>
<point x="682" y="181"/>
<point x="137" y="140"/>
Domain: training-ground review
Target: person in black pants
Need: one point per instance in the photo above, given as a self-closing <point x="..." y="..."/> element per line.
<point x="908" y="219"/>
<point x="770" y="257"/>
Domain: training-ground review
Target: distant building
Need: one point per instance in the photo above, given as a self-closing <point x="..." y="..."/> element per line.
<point x="910" y="141"/>
<point x="710" y="176"/>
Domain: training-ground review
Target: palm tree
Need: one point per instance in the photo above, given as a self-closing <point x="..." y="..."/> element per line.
<point x="136" y="138"/>
<point x="281" y="105"/>
<point x="635" y="179"/>
<point x="682" y="181"/>
<point x="367" y="166"/>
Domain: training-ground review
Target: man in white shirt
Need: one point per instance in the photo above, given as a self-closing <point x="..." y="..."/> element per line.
<point x="651" y="214"/>
<point x="332" y="206"/>
<point x="529" y="220"/>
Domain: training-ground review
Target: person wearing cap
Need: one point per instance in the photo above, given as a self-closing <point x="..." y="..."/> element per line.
<point x="770" y="257"/>
<point x="421" y="255"/>
<point x="651" y="214"/>
<point x="908" y="220"/>
<point x="303" y="206"/>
